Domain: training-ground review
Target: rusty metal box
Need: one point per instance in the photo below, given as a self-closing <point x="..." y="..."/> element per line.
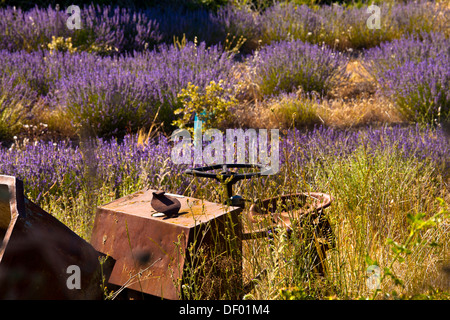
<point x="160" y="256"/>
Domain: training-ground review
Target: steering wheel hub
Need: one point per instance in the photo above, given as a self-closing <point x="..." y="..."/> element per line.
<point x="227" y="177"/>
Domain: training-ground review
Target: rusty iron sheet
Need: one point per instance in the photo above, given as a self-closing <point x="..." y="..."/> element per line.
<point x="37" y="250"/>
<point x="283" y="211"/>
<point x="303" y="211"/>
<point x="150" y="248"/>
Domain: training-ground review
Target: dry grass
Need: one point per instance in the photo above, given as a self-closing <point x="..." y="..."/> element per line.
<point x="356" y="103"/>
<point x="353" y="104"/>
<point x="358" y="112"/>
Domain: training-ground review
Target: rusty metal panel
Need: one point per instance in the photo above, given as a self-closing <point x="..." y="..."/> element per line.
<point x="37" y="250"/>
<point x="150" y="248"/>
<point x="286" y="209"/>
<point x="145" y="252"/>
<point x="303" y="210"/>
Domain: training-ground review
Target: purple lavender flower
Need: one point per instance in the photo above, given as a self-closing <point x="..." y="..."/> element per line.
<point x="104" y="27"/>
<point x="128" y="164"/>
<point x="415" y="73"/>
<point x="287" y="65"/>
<point x="115" y="95"/>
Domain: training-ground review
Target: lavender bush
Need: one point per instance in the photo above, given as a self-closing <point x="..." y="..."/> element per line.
<point x="287" y="65"/>
<point x="111" y="30"/>
<point x="147" y="86"/>
<point x="415" y="73"/>
<point x="322" y="142"/>
<point x="240" y="23"/>
<point x="27" y="68"/>
<point x="104" y="29"/>
<point x="421" y="90"/>
<point x="19" y="91"/>
<point x="287" y="21"/>
<point x="108" y="102"/>
<point x="344" y="27"/>
<point x="412" y="48"/>
<point x="32" y="29"/>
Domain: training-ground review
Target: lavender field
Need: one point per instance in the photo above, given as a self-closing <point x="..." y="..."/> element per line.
<point x="364" y="115"/>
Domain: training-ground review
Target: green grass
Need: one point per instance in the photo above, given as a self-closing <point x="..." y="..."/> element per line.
<point x="375" y="195"/>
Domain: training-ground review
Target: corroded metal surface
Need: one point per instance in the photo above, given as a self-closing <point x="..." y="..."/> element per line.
<point x="150" y="249"/>
<point x="37" y="250"/>
<point x="283" y="210"/>
<point x="303" y="211"/>
<point x="286" y="210"/>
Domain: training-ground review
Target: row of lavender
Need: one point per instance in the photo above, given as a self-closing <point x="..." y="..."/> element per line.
<point x="415" y="73"/>
<point x="123" y="93"/>
<point x="109" y="94"/>
<point x="120" y="93"/>
<point x="56" y="168"/>
<point x="109" y="30"/>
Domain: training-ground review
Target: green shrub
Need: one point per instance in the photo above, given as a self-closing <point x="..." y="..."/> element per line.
<point x="292" y="110"/>
<point x="212" y="107"/>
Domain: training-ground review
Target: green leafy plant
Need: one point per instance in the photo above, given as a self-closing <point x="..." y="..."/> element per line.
<point x="293" y="110"/>
<point x="418" y="224"/>
<point x="213" y="107"/>
<point x="294" y="293"/>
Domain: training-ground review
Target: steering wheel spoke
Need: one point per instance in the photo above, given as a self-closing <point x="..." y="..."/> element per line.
<point x="226" y="176"/>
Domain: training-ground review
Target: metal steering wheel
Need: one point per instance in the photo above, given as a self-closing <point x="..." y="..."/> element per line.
<point x="227" y="177"/>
